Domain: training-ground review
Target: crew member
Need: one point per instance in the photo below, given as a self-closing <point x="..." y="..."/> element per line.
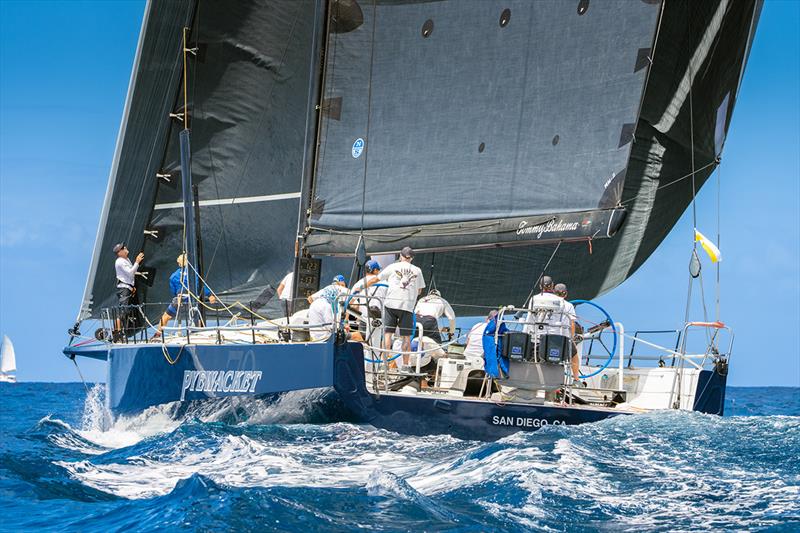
<point x="370" y="307"/>
<point x="320" y="312"/>
<point x="126" y="274"/>
<point x="178" y="281"/>
<point x="568" y="325"/>
<point x="429" y="309"/>
<point x="285" y="289"/>
<point x="474" y="346"/>
<point x="546" y="299"/>
<point x="405" y="283"/>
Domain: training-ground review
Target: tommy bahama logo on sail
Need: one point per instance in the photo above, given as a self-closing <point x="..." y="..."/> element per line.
<point x="551" y="226"/>
<point x="219" y="381"/>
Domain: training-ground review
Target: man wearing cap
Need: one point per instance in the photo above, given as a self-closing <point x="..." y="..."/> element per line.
<point x="429" y="309"/>
<point x="320" y="312"/>
<point x="126" y="274"/>
<point x="370" y="307"/>
<point x="178" y="285"/>
<point x="545" y="299"/>
<point x="568" y="326"/>
<point x="405" y="284"/>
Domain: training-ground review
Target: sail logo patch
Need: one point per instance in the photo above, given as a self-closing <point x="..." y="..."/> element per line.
<point x="551" y="226"/>
<point x="358" y="147"/>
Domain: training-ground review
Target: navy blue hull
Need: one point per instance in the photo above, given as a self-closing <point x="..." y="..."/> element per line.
<point x="463" y="418"/>
<point x="471" y="419"/>
<point x="710" y="395"/>
<point x="141" y="376"/>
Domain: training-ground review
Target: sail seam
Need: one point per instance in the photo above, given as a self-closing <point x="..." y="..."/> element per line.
<point x="234" y="200"/>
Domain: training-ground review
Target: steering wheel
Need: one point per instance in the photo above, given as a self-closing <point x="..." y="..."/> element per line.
<point x="613" y="331"/>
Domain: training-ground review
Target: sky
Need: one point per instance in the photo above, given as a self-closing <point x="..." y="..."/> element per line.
<point x="64" y="72"/>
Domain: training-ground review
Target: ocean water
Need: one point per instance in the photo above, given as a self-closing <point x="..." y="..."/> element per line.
<point x="298" y="465"/>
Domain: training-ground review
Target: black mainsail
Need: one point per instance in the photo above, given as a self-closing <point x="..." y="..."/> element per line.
<point x="469" y="128"/>
<point x="487" y="124"/>
<point x="248" y="85"/>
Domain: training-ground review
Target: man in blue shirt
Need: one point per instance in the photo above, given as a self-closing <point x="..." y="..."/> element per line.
<point x="178" y="281"/>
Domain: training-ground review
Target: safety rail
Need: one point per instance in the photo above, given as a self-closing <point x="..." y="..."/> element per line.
<point x="130" y="324"/>
<point x="669" y="357"/>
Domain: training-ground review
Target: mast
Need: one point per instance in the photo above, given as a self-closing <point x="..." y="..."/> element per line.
<point x="309" y="152"/>
<point x="190" y="239"/>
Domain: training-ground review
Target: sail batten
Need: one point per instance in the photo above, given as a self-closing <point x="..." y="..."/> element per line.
<point x="517" y="231"/>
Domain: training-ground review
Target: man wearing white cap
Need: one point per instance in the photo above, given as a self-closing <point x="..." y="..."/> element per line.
<point x="320" y="312"/>
<point x="429" y="310"/>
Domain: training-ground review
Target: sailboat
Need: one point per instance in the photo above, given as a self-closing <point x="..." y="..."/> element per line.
<point x="563" y="138"/>
<point x="8" y="362"/>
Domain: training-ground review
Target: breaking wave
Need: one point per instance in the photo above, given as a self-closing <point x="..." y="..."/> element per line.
<point x="261" y="464"/>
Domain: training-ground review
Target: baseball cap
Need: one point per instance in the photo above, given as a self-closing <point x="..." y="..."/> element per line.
<point x="407" y="252"/>
<point x="560" y="287"/>
<point x="372" y="265"/>
<point x="119" y="246"/>
<point x="338" y="277"/>
<point x="546" y="282"/>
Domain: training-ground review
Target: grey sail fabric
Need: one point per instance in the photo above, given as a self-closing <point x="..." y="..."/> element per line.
<point x="248" y="87"/>
<point x="145" y="125"/>
<point x="248" y="98"/>
<point x="461" y="111"/>
<point x="713" y="43"/>
<point x="503" y="140"/>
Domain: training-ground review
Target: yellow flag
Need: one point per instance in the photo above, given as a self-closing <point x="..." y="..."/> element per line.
<point x="710" y="248"/>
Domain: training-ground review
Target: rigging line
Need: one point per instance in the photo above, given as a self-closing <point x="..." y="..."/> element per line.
<point x="223" y="235"/>
<point x="80" y="374"/>
<point x="195" y="29"/>
<point x="368" y="141"/>
<point x="719" y="209"/>
<point x="691" y="138"/>
<point x="261" y="117"/>
<point x="164" y="111"/>
<point x="688" y="300"/>
<point x="541" y="274"/>
<point x="328" y="58"/>
<point x="673" y="182"/>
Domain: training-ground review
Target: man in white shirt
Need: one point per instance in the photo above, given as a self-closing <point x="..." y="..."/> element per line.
<point x="568" y="319"/>
<point x="405" y="283"/>
<point x="126" y="280"/>
<point x="553" y="316"/>
<point x="429" y="309"/>
<point x="285" y="291"/>
<point x="320" y="312"/>
<point x="474" y="348"/>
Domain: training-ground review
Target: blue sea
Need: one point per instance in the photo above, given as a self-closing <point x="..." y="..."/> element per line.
<point x="296" y="465"/>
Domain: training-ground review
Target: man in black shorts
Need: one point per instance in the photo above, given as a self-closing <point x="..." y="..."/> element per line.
<point x="405" y="284"/>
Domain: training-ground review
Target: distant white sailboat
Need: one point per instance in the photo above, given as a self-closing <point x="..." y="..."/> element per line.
<point x="8" y="361"/>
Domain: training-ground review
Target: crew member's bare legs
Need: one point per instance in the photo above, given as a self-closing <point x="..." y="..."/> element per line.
<point x="576" y="367"/>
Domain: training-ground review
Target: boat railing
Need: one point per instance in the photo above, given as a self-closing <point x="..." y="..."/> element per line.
<point x="132" y="324"/>
<point x="679" y="349"/>
<point x="643" y="352"/>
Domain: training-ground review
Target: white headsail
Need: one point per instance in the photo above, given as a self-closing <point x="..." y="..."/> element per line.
<point x="8" y="360"/>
